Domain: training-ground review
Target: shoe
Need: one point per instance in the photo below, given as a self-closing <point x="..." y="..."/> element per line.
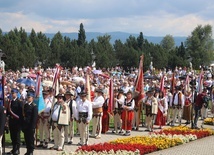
<point x="70" y="142"/>
<point x="147" y="130"/>
<point x="79" y="144"/>
<point x="40" y="145"/>
<point x="59" y="149"/>
<point x="9" y="153"/>
<point x="113" y="131"/>
<point x="97" y="137"/>
<point x="120" y="131"/>
<point x="52" y="148"/>
<point x="45" y="146"/>
<point x="17" y="152"/>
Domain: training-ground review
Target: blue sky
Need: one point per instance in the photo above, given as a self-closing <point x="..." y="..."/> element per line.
<point x="152" y="17"/>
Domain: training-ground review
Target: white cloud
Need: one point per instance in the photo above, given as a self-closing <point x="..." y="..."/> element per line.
<point x="153" y="18"/>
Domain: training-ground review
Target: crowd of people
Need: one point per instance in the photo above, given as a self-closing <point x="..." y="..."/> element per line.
<point x="177" y="97"/>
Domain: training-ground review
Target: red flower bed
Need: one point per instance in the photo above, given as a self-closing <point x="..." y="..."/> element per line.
<point x="198" y="133"/>
<point x="115" y="147"/>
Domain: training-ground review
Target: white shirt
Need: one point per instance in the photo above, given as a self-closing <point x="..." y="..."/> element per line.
<point x="120" y="101"/>
<point x="84" y="107"/>
<point x="55" y="113"/>
<point x="74" y="107"/>
<point x="132" y="104"/>
<point x="48" y="105"/>
<point x="176" y="99"/>
<point x="98" y="102"/>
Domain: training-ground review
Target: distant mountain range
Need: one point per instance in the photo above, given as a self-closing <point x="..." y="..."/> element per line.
<point x="118" y="35"/>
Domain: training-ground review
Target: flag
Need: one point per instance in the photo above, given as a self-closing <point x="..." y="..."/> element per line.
<point x="172" y="87"/>
<point x="200" y="82"/>
<point x="111" y="97"/>
<point x="39" y="100"/>
<point x="187" y="87"/>
<point x="87" y="87"/>
<point x="56" y="78"/>
<point x="2" y="91"/>
<point x="162" y="85"/>
<point x="139" y="84"/>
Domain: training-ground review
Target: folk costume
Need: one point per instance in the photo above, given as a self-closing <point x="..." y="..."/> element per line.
<point x="178" y="103"/>
<point x="43" y="123"/>
<point x="128" y="114"/>
<point x="105" y="117"/>
<point x="83" y="117"/>
<point x="15" y="120"/>
<point x="162" y="111"/>
<point x="151" y="108"/>
<point x="187" y="107"/>
<point x="97" y="113"/>
<point x="118" y="101"/>
<point x="60" y="117"/>
<point x="69" y="130"/>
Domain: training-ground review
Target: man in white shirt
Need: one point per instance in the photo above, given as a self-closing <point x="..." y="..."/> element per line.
<point x="69" y="130"/>
<point x="97" y="105"/>
<point x="59" y="119"/>
<point x="83" y="117"/>
<point x="177" y="104"/>
<point x="43" y="121"/>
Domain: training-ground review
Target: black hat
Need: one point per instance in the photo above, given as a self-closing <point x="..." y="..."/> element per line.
<point x="99" y="91"/>
<point x="120" y="90"/>
<point x="60" y="95"/>
<point x="83" y="93"/>
<point x="69" y="93"/>
<point x="45" y="92"/>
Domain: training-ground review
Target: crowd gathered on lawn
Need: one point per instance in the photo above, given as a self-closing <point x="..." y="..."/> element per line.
<point x="75" y="99"/>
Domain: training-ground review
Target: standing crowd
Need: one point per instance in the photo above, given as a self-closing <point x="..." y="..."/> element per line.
<point x="76" y="104"/>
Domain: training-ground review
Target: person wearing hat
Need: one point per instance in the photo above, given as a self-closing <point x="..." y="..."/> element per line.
<point x="2" y="124"/>
<point x="97" y="105"/>
<point x="83" y="117"/>
<point x="151" y="107"/>
<point x="199" y="102"/>
<point x="178" y="104"/>
<point x="128" y="113"/>
<point x="60" y="116"/>
<point x="15" y="117"/>
<point x="187" y="106"/>
<point x="43" y="121"/>
<point x="30" y="115"/>
<point x="69" y="130"/>
<point x="119" y="99"/>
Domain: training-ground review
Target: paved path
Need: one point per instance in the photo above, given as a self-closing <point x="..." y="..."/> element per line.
<point x="199" y="147"/>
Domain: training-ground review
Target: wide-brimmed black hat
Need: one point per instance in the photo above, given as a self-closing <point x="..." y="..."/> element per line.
<point x="99" y="90"/>
<point x="60" y="95"/>
<point x="83" y="93"/>
<point x="45" y="92"/>
<point x="69" y="93"/>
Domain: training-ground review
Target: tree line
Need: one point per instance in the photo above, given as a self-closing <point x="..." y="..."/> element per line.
<point x="26" y="50"/>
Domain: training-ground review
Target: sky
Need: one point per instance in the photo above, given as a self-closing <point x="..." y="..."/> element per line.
<point x="152" y="17"/>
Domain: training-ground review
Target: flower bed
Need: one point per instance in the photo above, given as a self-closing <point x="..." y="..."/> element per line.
<point x="209" y="121"/>
<point x="163" y="139"/>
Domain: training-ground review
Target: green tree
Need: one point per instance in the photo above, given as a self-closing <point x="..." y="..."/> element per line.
<point x="200" y="46"/>
<point x="168" y="43"/>
<point x="81" y="36"/>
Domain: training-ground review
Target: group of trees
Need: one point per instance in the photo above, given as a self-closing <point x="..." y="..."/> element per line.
<point x="27" y="50"/>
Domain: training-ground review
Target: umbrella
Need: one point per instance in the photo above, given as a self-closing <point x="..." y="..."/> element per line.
<point x="47" y="83"/>
<point x="151" y="77"/>
<point x="97" y="72"/>
<point x="77" y="79"/>
<point x="27" y="82"/>
<point x="32" y="75"/>
<point x="24" y="75"/>
<point x="65" y="83"/>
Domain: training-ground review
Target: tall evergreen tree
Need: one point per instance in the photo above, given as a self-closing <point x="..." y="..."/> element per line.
<point x="81" y="36"/>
